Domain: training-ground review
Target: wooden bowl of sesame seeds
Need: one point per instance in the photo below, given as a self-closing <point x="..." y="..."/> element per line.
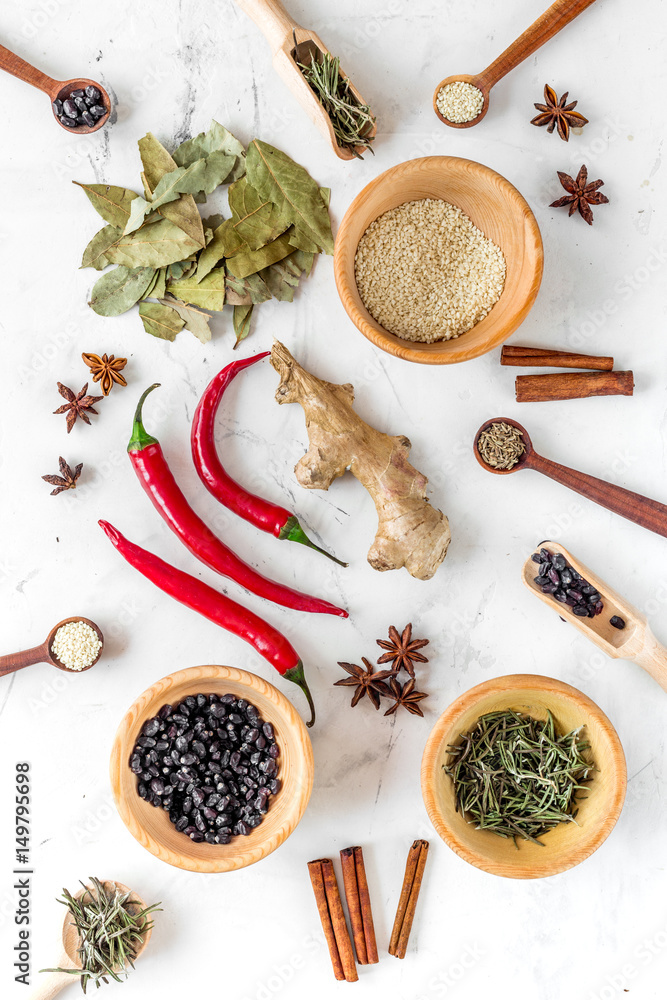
<point x="494" y="207"/>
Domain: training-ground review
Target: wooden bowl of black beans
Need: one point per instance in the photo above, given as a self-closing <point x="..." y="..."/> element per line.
<point x="211" y="769"/>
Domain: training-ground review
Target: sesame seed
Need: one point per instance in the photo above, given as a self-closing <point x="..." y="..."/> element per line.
<point x="426" y="273"/>
<point x="76" y="645"/>
<point x="459" y="102"/>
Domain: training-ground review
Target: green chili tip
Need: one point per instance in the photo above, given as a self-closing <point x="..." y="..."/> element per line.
<point x="140" y="439"/>
<point x="293" y="532"/>
<point x="297" y="676"/>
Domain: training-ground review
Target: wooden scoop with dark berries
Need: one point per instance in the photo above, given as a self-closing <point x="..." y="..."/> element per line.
<point x="619" y="629"/>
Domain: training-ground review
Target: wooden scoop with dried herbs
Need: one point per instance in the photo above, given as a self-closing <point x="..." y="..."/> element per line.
<point x="179" y="266"/>
<point x="111" y="927"/>
<point x="516" y="776"/>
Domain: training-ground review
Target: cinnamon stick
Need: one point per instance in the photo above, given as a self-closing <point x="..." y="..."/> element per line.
<point x="544" y="357"/>
<point x="407" y="904"/>
<point x="330" y="909"/>
<point x="359" y="905"/>
<point x="573" y="385"/>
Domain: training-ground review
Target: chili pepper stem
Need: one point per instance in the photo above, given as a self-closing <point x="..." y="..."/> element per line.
<point x="140" y="439"/>
<point x="293" y="532"/>
<point x="297" y="676"/>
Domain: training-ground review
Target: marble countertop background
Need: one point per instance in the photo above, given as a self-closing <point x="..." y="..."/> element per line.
<point x="590" y="934"/>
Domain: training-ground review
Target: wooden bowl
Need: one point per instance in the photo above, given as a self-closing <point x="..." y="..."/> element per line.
<point x="494" y="206"/>
<point x="151" y="826"/>
<point x="567" y="844"/>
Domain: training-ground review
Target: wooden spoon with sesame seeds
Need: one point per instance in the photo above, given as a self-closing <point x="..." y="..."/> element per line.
<point x="633" y="506"/>
<point x="43" y="653"/>
<point x="549" y="24"/>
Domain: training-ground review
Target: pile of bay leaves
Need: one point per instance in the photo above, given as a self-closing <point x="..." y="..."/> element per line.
<point x="176" y="264"/>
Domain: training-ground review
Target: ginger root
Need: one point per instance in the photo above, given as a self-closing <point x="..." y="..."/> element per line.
<point x="411" y="532"/>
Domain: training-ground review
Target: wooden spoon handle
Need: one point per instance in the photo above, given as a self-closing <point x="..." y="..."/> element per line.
<point x="13" y="64"/>
<point x="549" y="24"/>
<point x="48" y="986"/>
<point x="653" y="658"/>
<point x="24" y="658"/>
<point x="272" y="19"/>
<point x="649" y="513"/>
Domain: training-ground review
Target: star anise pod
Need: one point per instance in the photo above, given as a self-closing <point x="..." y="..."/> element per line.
<point x="366" y="681"/>
<point x="580" y="194"/>
<point x="106" y="370"/>
<point x="76" y="406"/>
<point x="402" y="650"/>
<point x="407" y="696"/>
<point x="66" y="480"/>
<point x="558" y="113"/>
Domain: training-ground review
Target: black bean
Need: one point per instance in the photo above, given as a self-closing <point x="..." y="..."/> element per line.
<point x="57" y="107"/>
<point x="77" y="93"/>
<point x="267" y="729"/>
<point x="260" y="742"/>
<point x="92" y="92"/>
<point x="242" y="829"/>
<point x="550" y="588"/>
<point x="198" y="796"/>
<point x="157" y="786"/>
<point x="581" y="611"/>
<point x="142" y="790"/>
<point x="537" y="557"/>
<point x="274" y="751"/>
<point x="275" y="785"/>
<point x="68" y="122"/>
<point x="97" y="111"/>
<point x="558" y="561"/>
<point x="617" y="622"/>
<point x="197" y="837"/>
<point x="70" y="108"/>
<point x="189" y="758"/>
<point x="560" y="595"/>
<point x="566" y="577"/>
<point x="199" y="749"/>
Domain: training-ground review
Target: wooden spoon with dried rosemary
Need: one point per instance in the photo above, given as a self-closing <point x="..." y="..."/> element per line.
<point x="105" y="930"/>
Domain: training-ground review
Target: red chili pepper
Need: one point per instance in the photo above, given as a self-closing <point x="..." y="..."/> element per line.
<point x="218" y="608"/>
<point x="262" y="513"/>
<point x="157" y="480"/>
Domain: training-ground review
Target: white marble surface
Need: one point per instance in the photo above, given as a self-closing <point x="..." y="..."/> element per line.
<point x="593" y="932"/>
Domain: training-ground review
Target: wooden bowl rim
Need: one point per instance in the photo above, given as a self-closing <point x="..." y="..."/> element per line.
<point x="129" y="728"/>
<point x="541" y="685"/>
<point x="444" y="352"/>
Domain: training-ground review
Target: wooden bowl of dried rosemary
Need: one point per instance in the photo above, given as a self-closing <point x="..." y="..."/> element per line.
<point x="438" y="260"/>
<point x="523" y="756"/>
<point x="152" y="826"/>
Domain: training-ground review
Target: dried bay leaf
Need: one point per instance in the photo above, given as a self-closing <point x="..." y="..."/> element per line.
<point x="95" y="253"/>
<point x="256" y="220"/>
<point x="160" y="321"/>
<point x="201" y="176"/>
<point x="248" y="262"/>
<point x="111" y="202"/>
<point x="291" y="188"/>
<point x="218" y="139"/>
<point x="158" y="285"/>
<point x="195" y="320"/>
<point x="208" y="293"/>
<point x="243" y="291"/>
<point x="213" y="221"/>
<point x="225" y="243"/>
<point x="242" y="317"/>
<point x="155" y="245"/>
<point x="156" y="163"/>
<point x="283" y="278"/>
<point x="118" y="290"/>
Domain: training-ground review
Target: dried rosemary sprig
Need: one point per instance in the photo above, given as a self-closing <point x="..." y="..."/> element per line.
<point x="111" y="930"/>
<point x="516" y="776"/>
<point x="351" y="120"/>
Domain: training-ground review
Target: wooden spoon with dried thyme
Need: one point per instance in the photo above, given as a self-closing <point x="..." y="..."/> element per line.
<point x="105" y="930"/>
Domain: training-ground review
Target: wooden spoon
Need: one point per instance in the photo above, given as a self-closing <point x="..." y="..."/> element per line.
<point x="56" y="981"/>
<point x="633" y="506"/>
<point x="634" y="642"/>
<point x="282" y="32"/>
<point x="61" y="89"/>
<point x="549" y="24"/>
<point x="43" y="654"/>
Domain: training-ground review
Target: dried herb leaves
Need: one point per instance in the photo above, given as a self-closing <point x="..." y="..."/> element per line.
<point x="165" y="252"/>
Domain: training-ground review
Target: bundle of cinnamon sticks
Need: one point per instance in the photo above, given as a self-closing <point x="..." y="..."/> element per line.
<point x="599" y="379"/>
<point x="332" y="917"/>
